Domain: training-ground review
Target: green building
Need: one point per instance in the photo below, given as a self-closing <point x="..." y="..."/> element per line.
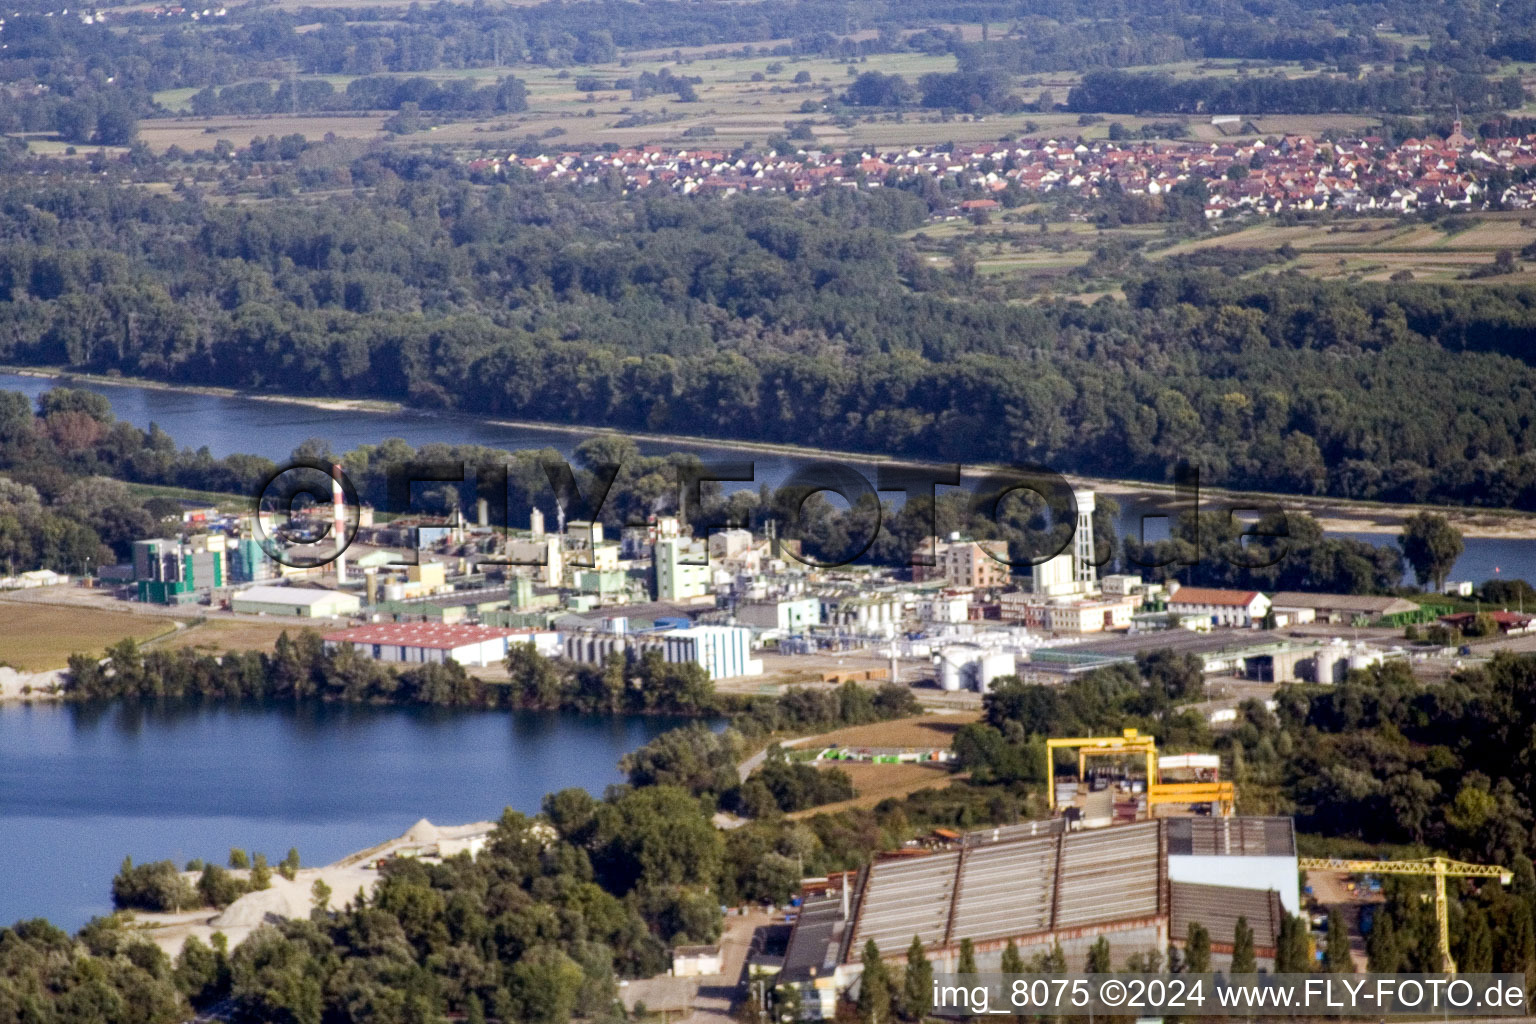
<point x="168" y="571"/>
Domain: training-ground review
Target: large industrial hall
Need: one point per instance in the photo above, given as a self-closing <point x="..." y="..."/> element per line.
<point x="1038" y="885"/>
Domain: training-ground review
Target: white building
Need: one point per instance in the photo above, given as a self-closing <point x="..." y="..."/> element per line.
<point x="303" y="602"/>
<point x="1121" y="584"/>
<point x="722" y="651"/>
<point x="431" y="642"/>
<point x="951" y="608"/>
<point x="1239" y="608"/>
<point x="696" y="961"/>
<point x="682" y="569"/>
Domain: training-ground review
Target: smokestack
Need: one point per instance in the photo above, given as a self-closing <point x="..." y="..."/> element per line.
<point x="483" y="512"/>
<point x="371" y="577"/>
<point x="339" y="524"/>
<point x="845" y="896"/>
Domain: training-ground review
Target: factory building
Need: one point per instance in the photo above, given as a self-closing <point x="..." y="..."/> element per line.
<point x="785" y="615"/>
<point x="722" y="651"/>
<point x="300" y="602"/>
<point x="957" y="562"/>
<point x="169" y="571"/>
<point x="431" y="642"/>
<point x="1345" y="609"/>
<point x="682" y="569"/>
<point x="1038" y="885"/>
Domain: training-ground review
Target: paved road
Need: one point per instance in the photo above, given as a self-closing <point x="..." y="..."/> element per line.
<point x="716" y="995"/>
<point x="752" y="763"/>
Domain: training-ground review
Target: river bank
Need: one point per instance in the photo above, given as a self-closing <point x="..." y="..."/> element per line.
<point x="354" y="874"/>
<point x="1336" y="515"/>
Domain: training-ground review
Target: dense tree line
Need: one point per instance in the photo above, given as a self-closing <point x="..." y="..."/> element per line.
<point x="1122" y="92"/>
<point x="300" y="668"/>
<point x="1281" y="551"/>
<point x="377" y="92"/>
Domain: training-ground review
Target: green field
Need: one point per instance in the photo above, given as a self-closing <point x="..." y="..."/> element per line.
<point x="43" y="636"/>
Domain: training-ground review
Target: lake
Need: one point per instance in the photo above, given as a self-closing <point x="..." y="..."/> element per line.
<point x="83" y="785"/>
<point x="235" y="424"/>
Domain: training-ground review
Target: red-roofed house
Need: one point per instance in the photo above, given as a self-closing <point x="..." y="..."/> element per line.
<point x="1241" y="608"/>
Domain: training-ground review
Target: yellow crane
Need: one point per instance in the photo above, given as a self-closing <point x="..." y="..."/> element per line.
<point x="1438" y="868"/>
<point x="1128" y="742"/>
<point x="1222" y="795"/>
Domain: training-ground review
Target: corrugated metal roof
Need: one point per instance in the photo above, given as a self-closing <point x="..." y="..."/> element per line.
<point x="1006" y="883"/>
<point x="903" y="898"/>
<point x="1006" y="889"/>
<point x="1109" y="875"/>
<point x="1218" y="907"/>
<point x="1248" y="836"/>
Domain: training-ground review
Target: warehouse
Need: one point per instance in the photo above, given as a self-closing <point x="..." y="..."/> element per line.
<point x="1138" y="886"/>
<point x="423" y="642"/>
<point x="301" y="602"/>
<point x="1348" y="609"/>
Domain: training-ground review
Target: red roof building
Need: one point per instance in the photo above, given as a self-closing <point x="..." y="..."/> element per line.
<point x="431" y="642"/>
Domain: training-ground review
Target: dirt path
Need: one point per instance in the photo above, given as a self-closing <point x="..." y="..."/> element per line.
<point x="1331" y="889"/>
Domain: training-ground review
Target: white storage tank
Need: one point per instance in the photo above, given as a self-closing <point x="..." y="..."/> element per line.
<point x="1363" y="657"/>
<point x="993" y="667"/>
<point x="957" y="666"/>
<point x="1329" y="663"/>
<point x="394" y="591"/>
<point x="953" y="662"/>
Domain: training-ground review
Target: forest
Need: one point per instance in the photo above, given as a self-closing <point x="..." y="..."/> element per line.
<point x="807" y="321"/>
<point x="1120" y="92"/>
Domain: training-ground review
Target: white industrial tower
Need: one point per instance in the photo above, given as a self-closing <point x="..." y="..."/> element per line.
<point x="1082" y="542"/>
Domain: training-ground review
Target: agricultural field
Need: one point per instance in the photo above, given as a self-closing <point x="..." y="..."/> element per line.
<point x="194" y="133"/>
<point x="740" y="99"/>
<point x="876" y="782"/>
<point x="42" y="636"/>
<point x="217" y="636"/>
<point x="928" y="731"/>
<point x="1373" y="249"/>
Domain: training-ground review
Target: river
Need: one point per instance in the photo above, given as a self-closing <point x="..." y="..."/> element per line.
<point x="83" y="785"/>
<point x="234" y="424"/>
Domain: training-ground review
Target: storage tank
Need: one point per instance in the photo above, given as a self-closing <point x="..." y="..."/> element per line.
<point x="1363" y="657"/>
<point x="954" y="665"/>
<point x="1326" y="663"/>
<point x="394" y="591"/>
<point x="993" y="667"/>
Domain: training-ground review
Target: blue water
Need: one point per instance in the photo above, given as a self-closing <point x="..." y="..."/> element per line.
<point x="229" y="425"/>
<point x="81" y="786"/>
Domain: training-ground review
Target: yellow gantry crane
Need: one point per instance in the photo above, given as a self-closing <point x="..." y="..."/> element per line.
<point x="1128" y="742"/>
<point x="1222" y="795"/>
<point x="1438" y="868"/>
